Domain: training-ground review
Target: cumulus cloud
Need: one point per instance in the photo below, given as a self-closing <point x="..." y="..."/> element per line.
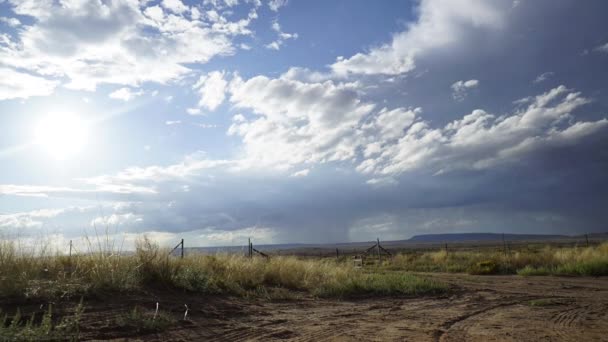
<point x="120" y="42"/>
<point x="481" y="140"/>
<point x="212" y="90"/>
<point x="297" y="122"/>
<point x="19" y="85"/>
<point x="440" y="23"/>
<point x="461" y="89"/>
<point x="305" y="123"/>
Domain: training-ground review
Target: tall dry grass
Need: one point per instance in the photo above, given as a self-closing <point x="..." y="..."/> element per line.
<point x="50" y="275"/>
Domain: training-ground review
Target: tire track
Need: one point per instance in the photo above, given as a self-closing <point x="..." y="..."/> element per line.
<point x="442" y="333"/>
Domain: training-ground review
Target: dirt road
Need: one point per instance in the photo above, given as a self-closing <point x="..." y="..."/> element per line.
<point x="480" y="308"/>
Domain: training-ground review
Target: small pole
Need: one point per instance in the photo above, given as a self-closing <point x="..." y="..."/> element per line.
<point x="337" y="254"/>
<point x="446" y="248"/>
<point x="378" y="250"/>
<point x="504" y="244"/>
<point x="587" y="238"/>
<point x="182" y="248"/>
<point x="70" y="249"/>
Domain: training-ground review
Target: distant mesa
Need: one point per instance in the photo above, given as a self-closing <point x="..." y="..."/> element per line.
<point x="470" y="237"/>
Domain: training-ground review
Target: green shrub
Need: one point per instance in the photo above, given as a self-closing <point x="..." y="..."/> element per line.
<point x="484" y="267"/>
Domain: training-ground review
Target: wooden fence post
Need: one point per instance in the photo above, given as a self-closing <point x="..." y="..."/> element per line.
<point x="182" y="248"/>
<point x="337" y="254"/>
<point x="587" y="238"/>
<point x="504" y="244"/>
<point x="70" y="249"/>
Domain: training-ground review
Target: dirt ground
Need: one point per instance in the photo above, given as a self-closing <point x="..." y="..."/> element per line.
<point x="479" y="308"/>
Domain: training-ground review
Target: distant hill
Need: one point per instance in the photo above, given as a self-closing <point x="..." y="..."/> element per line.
<point x="461" y="237"/>
<point x="414" y="242"/>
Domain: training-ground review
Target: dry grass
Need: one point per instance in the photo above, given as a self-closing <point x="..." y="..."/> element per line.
<point x="573" y="261"/>
<point x="49" y="276"/>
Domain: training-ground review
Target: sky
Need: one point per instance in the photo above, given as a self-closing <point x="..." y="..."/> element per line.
<point x="292" y="121"/>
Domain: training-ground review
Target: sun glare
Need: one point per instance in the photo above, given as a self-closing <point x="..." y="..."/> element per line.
<point x="61" y="135"/>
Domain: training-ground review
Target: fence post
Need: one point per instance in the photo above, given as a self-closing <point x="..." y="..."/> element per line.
<point x="504" y="244"/>
<point x="587" y="238"/>
<point x="378" y="250"/>
<point x="70" y="249"/>
<point x="182" y="248"/>
<point x="446" y="248"/>
<point x="337" y="254"/>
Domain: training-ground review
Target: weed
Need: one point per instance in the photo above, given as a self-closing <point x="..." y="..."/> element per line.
<point x="543" y="302"/>
<point x="18" y="328"/>
<point x="141" y="321"/>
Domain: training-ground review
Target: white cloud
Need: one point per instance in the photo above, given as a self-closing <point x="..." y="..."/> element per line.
<point x="281" y="37"/>
<point x="116" y="220"/>
<point x="175" y="6"/>
<point x="461" y="89"/>
<point x="543" y="77"/>
<point x="480" y="140"/>
<point x="301" y="173"/>
<point x="602" y="48"/>
<point x="12" y="22"/>
<point x="193" y="111"/>
<point x="212" y="90"/>
<point x="172" y="122"/>
<point x="125" y="94"/>
<point x="202" y="125"/>
<point x="30" y="219"/>
<point x="134" y="177"/>
<point x="57" y="191"/>
<point x="221" y="4"/>
<point x="32" y="190"/>
<point x="440" y="23"/>
<point x="121" y="42"/>
<point x="18" y="85"/>
<point x="275" y="5"/>
<point x="297" y="122"/>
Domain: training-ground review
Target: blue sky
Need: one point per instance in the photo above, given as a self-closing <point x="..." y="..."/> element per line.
<point x="301" y="121"/>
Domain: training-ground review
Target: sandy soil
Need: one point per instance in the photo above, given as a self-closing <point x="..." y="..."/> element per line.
<point x="479" y="308"/>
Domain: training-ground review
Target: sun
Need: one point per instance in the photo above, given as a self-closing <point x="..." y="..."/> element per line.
<point x="62" y="135"/>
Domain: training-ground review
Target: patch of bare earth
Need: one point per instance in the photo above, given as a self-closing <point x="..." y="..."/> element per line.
<point x="479" y="308"/>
